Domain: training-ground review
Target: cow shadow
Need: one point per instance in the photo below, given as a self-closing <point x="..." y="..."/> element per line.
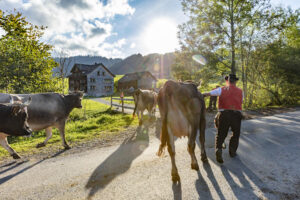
<point x="177" y="192"/>
<point x="119" y="161"/>
<point x="8" y="177"/>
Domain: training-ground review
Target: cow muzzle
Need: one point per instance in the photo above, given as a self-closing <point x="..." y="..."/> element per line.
<point x="27" y="132"/>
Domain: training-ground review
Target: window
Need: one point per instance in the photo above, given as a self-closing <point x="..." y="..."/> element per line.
<point x="92" y="87"/>
<point x="103" y="73"/>
<point x="107" y="88"/>
<point x="108" y="80"/>
<point x="98" y="73"/>
<point x="92" y="80"/>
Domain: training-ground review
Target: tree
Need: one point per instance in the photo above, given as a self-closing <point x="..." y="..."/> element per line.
<point x="216" y="24"/>
<point x="25" y="62"/>
<point x="236" y="36"/>
<point x="64" y="66"/>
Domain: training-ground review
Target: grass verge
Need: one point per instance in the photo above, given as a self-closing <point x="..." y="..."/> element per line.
<point x="93" y="121"/>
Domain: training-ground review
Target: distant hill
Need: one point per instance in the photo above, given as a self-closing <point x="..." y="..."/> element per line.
<point x="158" y="64"/>
<point x="89" y="60"/>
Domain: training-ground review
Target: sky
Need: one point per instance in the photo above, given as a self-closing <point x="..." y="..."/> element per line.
<point x="109" y="28"/>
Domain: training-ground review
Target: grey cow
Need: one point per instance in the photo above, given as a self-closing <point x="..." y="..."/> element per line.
<point x="49" y="110"/>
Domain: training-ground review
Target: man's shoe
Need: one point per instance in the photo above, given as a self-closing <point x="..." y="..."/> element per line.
<point x="232" y="154"/>
<point x="219" y="156"/>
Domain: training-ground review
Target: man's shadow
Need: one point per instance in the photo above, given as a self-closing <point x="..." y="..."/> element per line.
<point x="119" y="161"/>
<point x="234" y="167"/>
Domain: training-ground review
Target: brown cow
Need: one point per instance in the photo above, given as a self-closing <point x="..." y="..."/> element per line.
<point x="182" y="111"/>
<point x="144" y="99"/>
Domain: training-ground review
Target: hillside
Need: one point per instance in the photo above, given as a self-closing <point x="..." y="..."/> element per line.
<point x="89" y="60"/>
<point x="158" y="64"/>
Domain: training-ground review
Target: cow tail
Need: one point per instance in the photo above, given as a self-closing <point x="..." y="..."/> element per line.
<point x="164" y="137"/>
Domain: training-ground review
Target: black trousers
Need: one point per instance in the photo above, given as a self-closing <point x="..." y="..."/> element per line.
<point x="225" y="120"/>
<point x="212" y="102"/>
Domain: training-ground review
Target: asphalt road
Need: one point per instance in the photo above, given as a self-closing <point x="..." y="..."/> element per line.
<point x="267" y="167"/>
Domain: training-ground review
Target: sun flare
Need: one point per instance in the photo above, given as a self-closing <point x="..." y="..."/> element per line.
<point x="160" y="36"/>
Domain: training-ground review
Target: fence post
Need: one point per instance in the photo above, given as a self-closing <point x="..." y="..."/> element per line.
<point x="111" y="102"/>
<point x="122" y="104"/>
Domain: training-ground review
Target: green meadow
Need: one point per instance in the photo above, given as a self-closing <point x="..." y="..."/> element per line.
<point x="95" y="121"/>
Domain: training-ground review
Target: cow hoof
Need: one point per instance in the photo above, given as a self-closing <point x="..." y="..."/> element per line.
<point x="15" y="156"/>
<point x="195" y="166"/>
<point x="67" y="147"/>
<point x="175" y="178"/>
<point x="204" y="158"/>
<point x="39" y="145"/>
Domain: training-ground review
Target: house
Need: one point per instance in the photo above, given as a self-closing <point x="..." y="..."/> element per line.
<point x="143" y="80"/>
<point x="94" y="80"/>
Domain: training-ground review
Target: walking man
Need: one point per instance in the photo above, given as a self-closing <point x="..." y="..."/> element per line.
<point x="229" y="115"/>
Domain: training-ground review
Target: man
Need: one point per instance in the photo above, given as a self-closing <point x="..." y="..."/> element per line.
<point x="212" y="102"/>
<point x="229" y="115"/>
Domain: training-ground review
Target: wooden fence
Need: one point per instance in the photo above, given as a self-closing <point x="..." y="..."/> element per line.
<point x="122" y="103"/>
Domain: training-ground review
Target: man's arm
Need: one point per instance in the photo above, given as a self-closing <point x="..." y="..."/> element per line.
<point x="215" y="92"/>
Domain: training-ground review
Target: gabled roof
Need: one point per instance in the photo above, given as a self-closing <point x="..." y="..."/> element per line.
<point x="135" y="76"/>
<point x="87" y="69"/>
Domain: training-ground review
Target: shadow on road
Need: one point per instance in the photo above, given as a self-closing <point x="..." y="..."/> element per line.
<point x="8" y="177"/>
<point x="213" y="180"/>
<point x="245" y="175"/>
<point x="119" y="161"/>
<point x="177" y="191"/>
<point x="12" y="166"/>
<point x="202" y="188"/>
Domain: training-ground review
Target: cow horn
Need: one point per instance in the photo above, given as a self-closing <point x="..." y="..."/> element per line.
<point x="26" y="103"/>
<point x="11" y="101"/>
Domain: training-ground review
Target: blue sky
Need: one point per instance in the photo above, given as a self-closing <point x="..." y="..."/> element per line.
<point x="110" y="28"/>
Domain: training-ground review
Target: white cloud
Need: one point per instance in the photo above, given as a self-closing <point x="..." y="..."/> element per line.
<point x="79" y="26"/>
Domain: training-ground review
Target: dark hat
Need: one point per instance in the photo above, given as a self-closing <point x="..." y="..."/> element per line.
<point x="231" y="77"/>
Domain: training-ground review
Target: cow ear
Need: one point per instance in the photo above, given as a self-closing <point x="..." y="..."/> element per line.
<point x="11" y="101"/>
<point x="81" y="93"/>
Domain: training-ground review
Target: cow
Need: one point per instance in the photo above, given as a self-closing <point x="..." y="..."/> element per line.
<point x="13" y="122"/>
<point x="144" y="99"/>
<point x="49" y="110"/>
<point x="182" y="111"/>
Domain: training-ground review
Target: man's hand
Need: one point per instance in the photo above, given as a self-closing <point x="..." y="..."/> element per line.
<point x="206" y="94"/>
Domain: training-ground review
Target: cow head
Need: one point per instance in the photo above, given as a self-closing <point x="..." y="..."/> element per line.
<point x="74" y="99"/>
<point x="17" y="121"/>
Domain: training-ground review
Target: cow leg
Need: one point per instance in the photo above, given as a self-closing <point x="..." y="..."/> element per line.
<point x="202" y="138"/>
<point x="61" y="128"/>
<point x="48" y="136"/>
<point x="191" y="147"/>
<point x="5" y="145"/>
<point x="171" y="150"/>
<point x="141" y="119"/>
